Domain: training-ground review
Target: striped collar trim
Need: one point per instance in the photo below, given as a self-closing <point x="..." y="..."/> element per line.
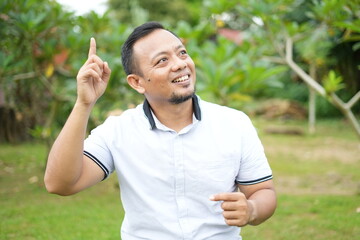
<point x="148" y="114"/>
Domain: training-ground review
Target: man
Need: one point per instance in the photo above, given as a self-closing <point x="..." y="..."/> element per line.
<point x="180" y="160"/>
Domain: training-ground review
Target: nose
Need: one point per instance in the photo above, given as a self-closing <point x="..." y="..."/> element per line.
<point x="179" y="64"/>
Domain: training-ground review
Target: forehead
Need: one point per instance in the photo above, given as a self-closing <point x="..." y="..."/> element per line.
<point x="156" y="42"/>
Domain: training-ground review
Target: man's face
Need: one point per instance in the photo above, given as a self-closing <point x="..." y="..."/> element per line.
<point x="168" y="71"/>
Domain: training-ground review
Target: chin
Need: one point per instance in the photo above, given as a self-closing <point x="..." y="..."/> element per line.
<point x="177" y="98"/>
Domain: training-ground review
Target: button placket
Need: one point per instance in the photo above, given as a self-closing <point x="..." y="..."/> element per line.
<point x="180" y="185"/>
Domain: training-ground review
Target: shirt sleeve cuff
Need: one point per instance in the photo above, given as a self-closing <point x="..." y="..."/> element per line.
<point x="102" y="166"/>
<point x="251" y="182"/>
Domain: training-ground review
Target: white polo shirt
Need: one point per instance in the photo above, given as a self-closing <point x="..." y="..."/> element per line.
<point x="166" y="177"/>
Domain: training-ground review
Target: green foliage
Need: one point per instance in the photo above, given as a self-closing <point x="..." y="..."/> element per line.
<point x="325" y="36"/>
<point x="41" y="54"/>
<point x="135" y="12"/>
<point x="316" y="27"/>
<point x="43" y="47"/>
<point x="32" y="37"/>
<point x="194" y="35"/>
<point x="110" y="36"/>
<point x="41" y="33"/>
<point x="332" y="83"/>
<point x="219" y="6"/>
<point x="228" y="74"/>
<point x="323" y="11"/>
<point x="309" y="48"/>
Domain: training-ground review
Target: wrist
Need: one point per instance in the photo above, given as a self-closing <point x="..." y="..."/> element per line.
<point x="83" y="104"/>
<point x="83" y="108"/>
<point x="252" y="211"/>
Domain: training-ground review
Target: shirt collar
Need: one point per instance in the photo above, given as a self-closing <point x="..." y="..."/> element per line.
<point x="148" y="114"/>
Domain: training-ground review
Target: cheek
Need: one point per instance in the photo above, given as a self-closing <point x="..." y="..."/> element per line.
<point x="191" y="64"/>
<point x="157" y="81"/>
<point x="159" y="76"/>
<point x="191" y="60"/>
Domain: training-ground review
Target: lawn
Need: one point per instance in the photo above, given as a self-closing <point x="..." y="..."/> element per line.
<point x="317" y="179"/>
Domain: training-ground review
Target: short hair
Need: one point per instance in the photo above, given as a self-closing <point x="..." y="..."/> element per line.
<point x="127" y="53"/>
<point x="127" y="56"/>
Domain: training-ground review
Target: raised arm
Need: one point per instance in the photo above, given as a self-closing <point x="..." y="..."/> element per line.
<point x="68" y="171"/>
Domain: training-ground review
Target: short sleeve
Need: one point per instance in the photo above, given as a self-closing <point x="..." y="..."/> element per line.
<point x="254" y="166"/>
<point x="96" y="146"/>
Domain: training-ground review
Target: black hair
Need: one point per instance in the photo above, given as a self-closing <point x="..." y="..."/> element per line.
<point x="127" y="57"/>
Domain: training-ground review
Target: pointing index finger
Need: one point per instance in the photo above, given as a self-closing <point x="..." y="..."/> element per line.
<point x="230" y="196"/>
<point x="92" y="49"/>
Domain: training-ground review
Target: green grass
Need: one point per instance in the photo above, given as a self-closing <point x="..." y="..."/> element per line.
<point x="29" y="212"/>
<point x="38" y="215"/>
<point x="317" y="179"/>
<point x="320" y="217"/>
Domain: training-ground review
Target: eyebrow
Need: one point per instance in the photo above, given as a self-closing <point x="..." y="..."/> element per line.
<point x="165" y="52"/>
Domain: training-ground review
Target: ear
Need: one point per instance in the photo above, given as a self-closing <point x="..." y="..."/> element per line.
<point x="135" y="81"/>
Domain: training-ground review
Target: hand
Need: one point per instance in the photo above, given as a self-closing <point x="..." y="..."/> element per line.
<point x="93" y="77"/>
<point x="238" y="211"/>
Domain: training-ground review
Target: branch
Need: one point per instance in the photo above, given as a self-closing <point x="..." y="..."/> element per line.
<point x="44" y="81"/>
<point x="50" y="87"/>
<point x="289" y="50"/>
<point x="334" y="99"/>
<point x="347" y="112"/>
<point x="353" y="100"/>
<point x="22" y="76"/>
<point x="272" y="40"/>
<point x="63" y="72"/>
<point x="338" y="102"/>
<point x="309" y="80"/>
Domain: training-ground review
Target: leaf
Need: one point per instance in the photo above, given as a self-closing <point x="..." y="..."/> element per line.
<point x="353" y="25"/>
<point x="356" y="46"/>
<point x="5" y="60"/>
<point x="332" y="82"/>
<point x="49" y="70"/>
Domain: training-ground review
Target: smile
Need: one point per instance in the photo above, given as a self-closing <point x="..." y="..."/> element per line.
<point x="181" y="79"/>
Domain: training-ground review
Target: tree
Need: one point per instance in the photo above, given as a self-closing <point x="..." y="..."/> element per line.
<point x="42" y="48"/>
<point x="136" y="12"/>
<point x="325" y="26"/>
<point x="32" y="43"/>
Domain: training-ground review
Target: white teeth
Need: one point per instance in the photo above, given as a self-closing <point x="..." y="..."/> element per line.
<point x="181" y="79"/>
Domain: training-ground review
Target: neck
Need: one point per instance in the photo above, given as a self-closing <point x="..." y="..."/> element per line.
<point x="174" y="116"/>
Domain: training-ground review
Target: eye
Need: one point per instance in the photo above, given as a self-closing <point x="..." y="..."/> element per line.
<point x="161" y="60"/>
<point x="183" y="52"/>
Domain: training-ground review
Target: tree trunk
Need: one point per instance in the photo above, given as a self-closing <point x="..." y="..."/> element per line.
<point x="12" y="127"/>
<point x="312" y="102"/>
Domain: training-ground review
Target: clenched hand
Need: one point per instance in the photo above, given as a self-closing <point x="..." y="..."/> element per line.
<point x="237" y="210"/>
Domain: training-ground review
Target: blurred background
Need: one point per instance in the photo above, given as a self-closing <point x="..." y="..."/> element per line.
<point x="293" y="66"/>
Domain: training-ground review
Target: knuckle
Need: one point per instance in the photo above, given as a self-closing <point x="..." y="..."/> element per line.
<point x="240" y="205"/>
<point x="92" y="57"/>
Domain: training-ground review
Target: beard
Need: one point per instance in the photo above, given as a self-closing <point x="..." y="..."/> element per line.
<point x="177" y="99"/>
